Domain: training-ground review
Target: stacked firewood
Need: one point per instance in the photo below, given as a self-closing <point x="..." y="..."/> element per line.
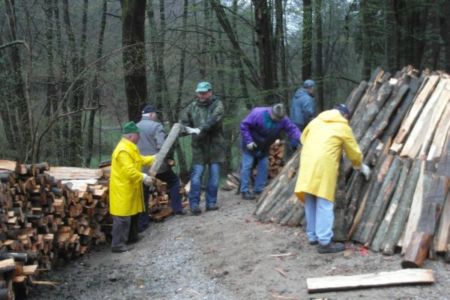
<point x="46" y="217"/>
<point x="402" y="124"/>
<point x="276" y="163"/>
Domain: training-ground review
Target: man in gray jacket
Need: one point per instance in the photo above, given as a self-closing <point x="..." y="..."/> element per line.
<point x="303" y="105"/>
<point x="152" y="136"/>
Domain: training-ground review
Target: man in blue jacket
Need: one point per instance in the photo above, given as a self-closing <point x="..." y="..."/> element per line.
<point x="261" y="127"/>
<point x="303" y="106"/>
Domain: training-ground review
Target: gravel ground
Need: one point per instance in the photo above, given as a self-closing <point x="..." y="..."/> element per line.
<point x="226" y="254"/>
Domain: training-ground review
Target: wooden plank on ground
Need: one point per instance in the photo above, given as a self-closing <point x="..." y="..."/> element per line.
<point x="340" y="283"/>
<point x="71" y="173"/>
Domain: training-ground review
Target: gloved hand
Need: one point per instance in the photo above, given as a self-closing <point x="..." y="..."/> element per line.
<point x="366" y="171"/>
<point x="191" y="130"/>
<point x="149" y="180"/>
<point x="252" y="146"/>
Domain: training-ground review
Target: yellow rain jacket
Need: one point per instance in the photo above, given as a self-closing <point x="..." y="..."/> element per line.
<point x="323" y="140"/>
<point x="125" y="185"/>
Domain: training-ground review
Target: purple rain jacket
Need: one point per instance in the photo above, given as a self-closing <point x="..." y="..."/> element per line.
<point x="259" y="127"/>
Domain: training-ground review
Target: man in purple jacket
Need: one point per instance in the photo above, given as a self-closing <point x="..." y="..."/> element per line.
<point x="259" y="130"/>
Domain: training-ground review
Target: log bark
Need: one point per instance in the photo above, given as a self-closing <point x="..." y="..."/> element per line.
<point x="381" y="233"/>
<point x="397" y="226"/>
<point x="177" y="128"/>
<point x="378" y="207"/>
<point x="356" y="96"/>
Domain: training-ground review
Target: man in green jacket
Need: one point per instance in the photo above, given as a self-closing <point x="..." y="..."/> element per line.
<point x="204" y="120"/>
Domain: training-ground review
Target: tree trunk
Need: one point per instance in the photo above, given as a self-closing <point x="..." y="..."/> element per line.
<point x="319" y="55"/>
<point x="366" y="38"/>
<point x="307" y="40"/>
<point x="96" y="87"/>
<point x="281" y="50"/>
<point x="263" y="28"/>
<point x="134" y="59"/>
<point x="391" y="35"/>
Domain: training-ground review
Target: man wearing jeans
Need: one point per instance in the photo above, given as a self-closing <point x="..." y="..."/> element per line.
<point x="261" y="127"/>
<point x="204" y="118"/>
<point x="323" y="141"/>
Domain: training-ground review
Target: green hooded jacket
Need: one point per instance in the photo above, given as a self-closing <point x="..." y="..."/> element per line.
<point x="209" y="146"/>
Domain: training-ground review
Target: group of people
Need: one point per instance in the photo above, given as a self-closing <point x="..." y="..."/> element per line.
<point x="321" y="139"/>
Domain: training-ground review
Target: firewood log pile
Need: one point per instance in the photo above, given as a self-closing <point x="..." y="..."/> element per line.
<point x="402" y="124"/>
<point x="46" y="216"/>
<point x="276" y="163"/>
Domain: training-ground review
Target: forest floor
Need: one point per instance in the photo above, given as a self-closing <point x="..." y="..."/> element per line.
<point x="226" y="254"/>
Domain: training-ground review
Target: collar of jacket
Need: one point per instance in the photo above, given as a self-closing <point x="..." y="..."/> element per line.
<point x="146" y="118"/>
<point x="207" y="102"/>
<point x="129" y="143"/>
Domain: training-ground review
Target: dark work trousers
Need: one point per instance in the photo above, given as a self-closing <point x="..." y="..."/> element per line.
<point x="124" y="230"/>
<point x="173" y="184"/>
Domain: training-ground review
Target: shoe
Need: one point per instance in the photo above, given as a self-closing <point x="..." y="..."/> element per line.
<point x="122" y="249"/>
<point x="196" y="211"/>
<point x="134" y="240"/>
<point x="248" y="196"/>
<point x="211" y="208"/>
<point x="313" y="243"/>
<point x="331" y="248"/>
<point x="180" y="213"/>
<point x="258" y="193"/>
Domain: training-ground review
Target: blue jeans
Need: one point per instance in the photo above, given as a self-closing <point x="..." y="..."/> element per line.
<point x="319" y="219"/>
<point x="248" y="159"/>
<point x="211" y="188"/>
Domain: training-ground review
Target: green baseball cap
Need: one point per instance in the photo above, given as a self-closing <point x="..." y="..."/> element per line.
<point x="130" y="127"/>
<point x="203" y="86"/>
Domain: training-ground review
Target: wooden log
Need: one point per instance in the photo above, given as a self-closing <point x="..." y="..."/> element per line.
<point x="7" y="165"/>
<point x="7" y="265"/>
<point x="414" y="142"/>
<point x="418" y="103"/>
<point x="355" y="97"/>
<point x="359" y="224"/>
<point x="381" y="232"/>
<point x="71" y="173"/>
<point x="440" y="242"/>
<point x="372" y="109"/>
<point x="378" y="208"/>
<point x="382" y="119"/>
<point x="443" y="168"/>
<point x="401" y="112"/>
<point x="417" y="249"/>
<point x="392" y="278"/>
<point x="175" y="131"/>
<point x="416" y="207"/>
<point x="397" y="225"/>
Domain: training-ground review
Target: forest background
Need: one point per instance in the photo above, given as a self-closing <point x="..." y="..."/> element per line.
<point x="71" y="72"/>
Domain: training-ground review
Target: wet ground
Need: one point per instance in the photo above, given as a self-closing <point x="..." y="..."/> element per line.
<point x="226" y="254"/>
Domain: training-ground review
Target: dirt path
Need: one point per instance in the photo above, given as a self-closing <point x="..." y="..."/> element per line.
<point x="225" y="254"/>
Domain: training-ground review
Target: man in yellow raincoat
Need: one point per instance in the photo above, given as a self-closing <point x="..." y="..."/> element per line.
<point x="125" y="188"/>
<point x="323" y="141"/>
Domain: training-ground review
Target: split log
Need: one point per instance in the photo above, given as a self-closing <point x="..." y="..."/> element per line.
<point x="417" y="249"/>
<point x="382" y="119"/>
<point x="443" y="232"/>
<point x="71" y="173"/>
<point x="443" y="168"/>
<point x="438" y="146"/>
<point x="397" y="225"/>
<point x="339" y="283"/>
<point x="416" y="207"/>
<point x="359" y="230"/>
<point x="381" y="232"/>
<point x="414" y="142"/>
<point x="418" y="103"/>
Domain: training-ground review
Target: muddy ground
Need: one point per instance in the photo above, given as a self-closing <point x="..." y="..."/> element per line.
<point x="226" y="254"/>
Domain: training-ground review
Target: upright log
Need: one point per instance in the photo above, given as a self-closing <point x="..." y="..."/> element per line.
<point x="397" y="226"/>
<point x="417" y="249"/>
<point x="355" y="97"/>
<point x="177" y="128"/>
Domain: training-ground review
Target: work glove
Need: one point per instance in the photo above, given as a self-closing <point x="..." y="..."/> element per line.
<point x="252" y="146"/>
<point x="366" y="171"/>
<point x="149" y="180"/>
<point x="191" y="130"/>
